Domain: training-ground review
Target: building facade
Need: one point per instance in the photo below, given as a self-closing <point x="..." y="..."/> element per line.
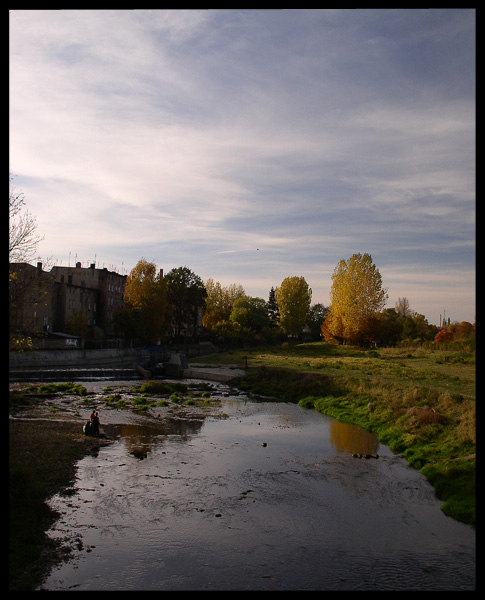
<point x="53" y="301"/>
<point x="32" y="292"/>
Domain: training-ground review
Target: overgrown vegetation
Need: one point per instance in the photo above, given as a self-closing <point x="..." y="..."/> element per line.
<point x="420" y="402"/>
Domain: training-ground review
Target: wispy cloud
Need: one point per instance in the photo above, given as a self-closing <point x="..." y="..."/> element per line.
<point x="189" y="136"/>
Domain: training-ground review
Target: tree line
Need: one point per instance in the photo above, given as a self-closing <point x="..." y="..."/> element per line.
<point x="181" y="304"/>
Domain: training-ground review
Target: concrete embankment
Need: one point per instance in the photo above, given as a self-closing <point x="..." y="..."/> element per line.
<point x="65" y="365"/>
<point x="121" y="363"/>
<point x="108" y="357"/>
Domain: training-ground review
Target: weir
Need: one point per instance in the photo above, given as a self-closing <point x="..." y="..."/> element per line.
<point x="72" y="374"/>
<point x="85" y="365"/>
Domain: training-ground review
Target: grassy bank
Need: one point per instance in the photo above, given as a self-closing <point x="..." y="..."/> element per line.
<point x="421" y="402"/>
<point x="42" y="462"/>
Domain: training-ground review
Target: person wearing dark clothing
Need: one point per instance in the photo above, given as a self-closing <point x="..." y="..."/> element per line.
<point x="95" y="424"/>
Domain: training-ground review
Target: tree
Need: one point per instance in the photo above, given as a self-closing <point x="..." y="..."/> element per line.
<point x="316" y="316"/>
<point x="23" y="241"/>
<point x="409" y="329"/>
<point x="77" y="324"/>
<point x="128" y="324"/>
<point x="390" y="326"/>
<point x="219" y="302"/>
<point x="273" y="312"/>
<point x="403" y="308"/>
<point x="146" y="297"/>
<point x="251" y="313"/>
<point x="293" y="298"/>
<point x="186" y="294"/>
<point x="356" y="295"/>
<point x="464" y="331"/>
<point x="444" y="335"/>
<point x="332" y="330"/>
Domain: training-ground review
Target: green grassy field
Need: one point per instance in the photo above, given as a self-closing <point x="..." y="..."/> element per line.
<point x="420" y="401"/>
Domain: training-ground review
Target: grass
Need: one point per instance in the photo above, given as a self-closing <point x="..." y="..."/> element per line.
<point x="420" y="401"/>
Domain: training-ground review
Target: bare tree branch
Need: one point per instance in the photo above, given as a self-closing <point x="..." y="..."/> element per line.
<point x="23" y="241"/>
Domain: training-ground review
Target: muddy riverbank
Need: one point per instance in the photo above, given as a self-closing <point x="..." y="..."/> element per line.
<point x="251" y="495"/>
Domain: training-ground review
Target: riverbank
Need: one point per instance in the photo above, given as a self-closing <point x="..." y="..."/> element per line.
<point x="421" y="403"/>
<point x="46" y="442"/>
<point x="43" y="457"/>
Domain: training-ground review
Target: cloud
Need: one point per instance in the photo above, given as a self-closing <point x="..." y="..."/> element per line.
<point x="189" y="136"/>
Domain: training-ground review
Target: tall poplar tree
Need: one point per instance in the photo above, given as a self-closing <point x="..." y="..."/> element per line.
<point x="293" y="298"/>
<point x="356" y="296"/>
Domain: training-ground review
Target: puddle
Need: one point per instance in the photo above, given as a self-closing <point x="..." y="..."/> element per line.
<point x="267" y="498"/>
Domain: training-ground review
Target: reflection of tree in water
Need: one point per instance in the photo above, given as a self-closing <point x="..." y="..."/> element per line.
<point x="140" y="439"/>
<point x="345" y="437"/>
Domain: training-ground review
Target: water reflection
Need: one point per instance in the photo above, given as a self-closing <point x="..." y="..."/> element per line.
<point x="140" y="439"/>
<point x="217" y="515"/>
<point x="345" y="437"/>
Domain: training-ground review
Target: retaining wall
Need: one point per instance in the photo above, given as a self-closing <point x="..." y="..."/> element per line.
<point x="37" y="359"/>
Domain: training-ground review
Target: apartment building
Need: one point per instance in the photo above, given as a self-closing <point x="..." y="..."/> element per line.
<point x="31" y="293"/>
<point x="98" y="293"/>
<point x="43" y="301"/>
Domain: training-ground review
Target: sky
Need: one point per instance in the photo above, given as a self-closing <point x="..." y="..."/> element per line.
<point x="251" y="145"/>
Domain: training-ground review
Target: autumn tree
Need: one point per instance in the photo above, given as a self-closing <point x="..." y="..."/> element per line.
<point x="464" y="331"/>
<point x="293" y="298"/>
<point x="356" y="295"/>
<point x="186" y="295"/>
<point x="457" y="332"/>
<point x="332" y="329"/>
<point x="219" y="302"/>
<point x="146" y="302"/>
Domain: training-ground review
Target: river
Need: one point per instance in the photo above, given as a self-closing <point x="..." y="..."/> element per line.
<point x="262" y="496"/>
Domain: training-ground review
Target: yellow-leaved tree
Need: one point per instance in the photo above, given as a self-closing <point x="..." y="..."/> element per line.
<point x="293" y="298"/>
<point x="146" y="299"/>
<point x="219" y="302"/>
<point x="357" y="296"/>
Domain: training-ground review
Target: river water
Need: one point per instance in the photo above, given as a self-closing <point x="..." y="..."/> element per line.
<point x="263" y="496"/>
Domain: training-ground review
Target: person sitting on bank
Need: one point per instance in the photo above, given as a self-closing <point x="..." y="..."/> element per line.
<point x="95" y="423"/>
